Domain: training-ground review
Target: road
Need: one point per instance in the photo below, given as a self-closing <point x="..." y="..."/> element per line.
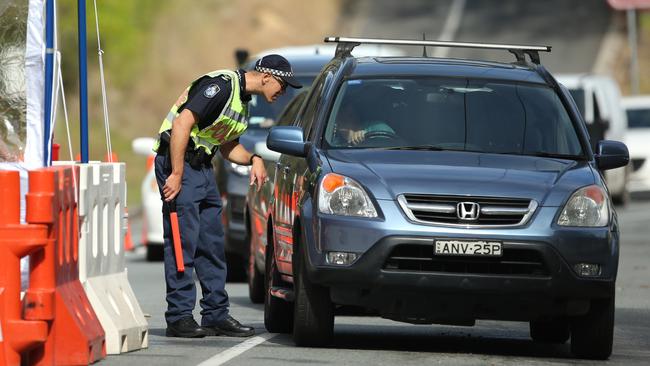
<point x="574" y="29"/>
<point x="364" y="341"/>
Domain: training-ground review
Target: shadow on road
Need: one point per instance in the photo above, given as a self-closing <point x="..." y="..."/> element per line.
<point x="482" y="339"/>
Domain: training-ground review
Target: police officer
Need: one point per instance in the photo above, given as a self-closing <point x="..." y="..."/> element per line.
<point x="209" y="115"/>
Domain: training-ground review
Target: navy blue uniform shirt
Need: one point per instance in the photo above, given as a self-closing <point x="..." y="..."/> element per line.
<point x="209" y="95"/>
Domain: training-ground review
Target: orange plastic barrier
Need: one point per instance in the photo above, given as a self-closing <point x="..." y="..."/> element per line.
<point x="16" y="241"/>
<point x="55" y="294"/>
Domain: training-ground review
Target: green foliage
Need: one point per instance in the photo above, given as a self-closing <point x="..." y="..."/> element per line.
<point x="644" y="20"/>
<point x="124" y="27"/>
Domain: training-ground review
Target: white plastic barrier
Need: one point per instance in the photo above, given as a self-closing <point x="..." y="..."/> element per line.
<point x="102" y="270"/>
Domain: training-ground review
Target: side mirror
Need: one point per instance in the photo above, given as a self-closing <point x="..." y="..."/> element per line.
<point x="611" y="154"/>
<point x="143" y="145"/>
<point x="287" y="140"/>
<point x="266" y="154"/>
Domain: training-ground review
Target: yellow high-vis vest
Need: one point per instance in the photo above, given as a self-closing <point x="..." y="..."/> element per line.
<point x="231" y="123"/>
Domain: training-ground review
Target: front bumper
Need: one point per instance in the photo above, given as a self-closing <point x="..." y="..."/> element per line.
<point x="640" y="176"/>
<point x="398" y="275"/>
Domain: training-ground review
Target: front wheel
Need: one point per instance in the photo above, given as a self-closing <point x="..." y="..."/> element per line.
<point x="277" y="312"/>
<point x="255" y="278"/>
<point x="592" y="334"/>
<point x="551" y="331"/>
<point x="313" y="314"/>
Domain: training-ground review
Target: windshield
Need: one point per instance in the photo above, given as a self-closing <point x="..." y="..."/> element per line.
<point x="638" y="118"/>
<point x="264" y="114"/>
<point x="451" y="114"/>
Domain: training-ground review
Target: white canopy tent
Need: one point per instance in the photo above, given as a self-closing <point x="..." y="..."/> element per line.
<point x="23" y="89"/>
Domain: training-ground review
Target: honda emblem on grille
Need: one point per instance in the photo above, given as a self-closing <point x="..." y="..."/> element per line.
<point x="468" y="210"/>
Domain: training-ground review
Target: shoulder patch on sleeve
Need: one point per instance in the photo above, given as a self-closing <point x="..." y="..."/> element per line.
<point x="211" y="91"/>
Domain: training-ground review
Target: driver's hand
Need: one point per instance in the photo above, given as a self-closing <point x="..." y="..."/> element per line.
<point x="356" y="137"/>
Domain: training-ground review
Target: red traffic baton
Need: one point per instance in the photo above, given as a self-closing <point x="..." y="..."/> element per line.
<point x="176" y="236"/>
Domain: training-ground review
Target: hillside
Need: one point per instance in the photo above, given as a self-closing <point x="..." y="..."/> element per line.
<point x="153" y="49"/>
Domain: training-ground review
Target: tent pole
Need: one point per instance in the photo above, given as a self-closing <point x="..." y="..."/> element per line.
<point x="49" y="80"/>
<point x="83" y="80"/>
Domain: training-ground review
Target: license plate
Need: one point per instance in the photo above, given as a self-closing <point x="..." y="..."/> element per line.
<point x="482" y="248"/>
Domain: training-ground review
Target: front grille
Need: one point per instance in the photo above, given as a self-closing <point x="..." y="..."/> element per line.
<point x="421" y="258"/>
<point x="444" y="210"/>
<point x="637" y="164"/>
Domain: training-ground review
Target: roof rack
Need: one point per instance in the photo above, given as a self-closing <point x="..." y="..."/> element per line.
<point x="347" y="44"/>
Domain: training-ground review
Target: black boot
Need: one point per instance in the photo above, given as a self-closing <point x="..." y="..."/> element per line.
<point x="185" y="328"/>
<point x="230" y="327"/>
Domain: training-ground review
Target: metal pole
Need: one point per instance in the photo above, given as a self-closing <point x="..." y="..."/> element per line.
<point x="49" y="79"/>
<point x="83" y="80"/>
<point x="632" y="39"/>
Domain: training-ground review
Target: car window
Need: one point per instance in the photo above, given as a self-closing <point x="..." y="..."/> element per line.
<point x="579" y="97"/>
<point x="638" y="118"/>
<point x="453" y="114"/>
<point x="288" y="116"/>
<point x="263" y="114"/>
<point x="311" y="106"/>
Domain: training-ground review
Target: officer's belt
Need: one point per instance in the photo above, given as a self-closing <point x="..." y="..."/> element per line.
<point x="197" y="158"/>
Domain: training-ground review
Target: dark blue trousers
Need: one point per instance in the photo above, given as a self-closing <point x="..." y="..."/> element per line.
<point x="198" y="207"/>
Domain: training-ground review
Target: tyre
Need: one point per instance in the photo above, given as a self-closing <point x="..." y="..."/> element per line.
<point x="154" y="252"/>
<point x="277" y="312"/>
<point x="592" y="334"/>
<point x="313" y="314"/>
<point x="551" y="331"/>
<point x="623" y="198"/>
<point x="255" y="278"/>
<point x="236" y="268"/>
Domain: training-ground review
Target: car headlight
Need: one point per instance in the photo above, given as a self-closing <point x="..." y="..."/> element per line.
<point x="239" y="169"/>
<point x="340" y="195"/>
<point x="588" y="206"/>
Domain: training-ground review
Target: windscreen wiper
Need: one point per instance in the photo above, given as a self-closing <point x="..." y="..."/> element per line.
<point x="545" y="154"/>
<point x="417" y="147"/>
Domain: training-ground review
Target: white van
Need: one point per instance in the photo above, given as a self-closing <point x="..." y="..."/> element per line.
<point x="599" y="100"/>
<point x="637" y="140"/>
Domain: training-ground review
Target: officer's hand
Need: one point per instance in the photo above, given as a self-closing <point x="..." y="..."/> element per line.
<point x="258" y="173"/>
<point x="172" y="186"/>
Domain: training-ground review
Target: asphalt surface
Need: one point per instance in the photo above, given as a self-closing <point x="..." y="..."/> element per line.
<point x="574" y="28"/>
<point x="374" y="341"/>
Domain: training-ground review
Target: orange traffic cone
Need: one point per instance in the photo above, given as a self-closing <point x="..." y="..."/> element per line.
<point x="128" y="241"/>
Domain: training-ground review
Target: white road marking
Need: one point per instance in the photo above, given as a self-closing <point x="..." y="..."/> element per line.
<point x="450" y="28"/>
<point x="232" y="352"/>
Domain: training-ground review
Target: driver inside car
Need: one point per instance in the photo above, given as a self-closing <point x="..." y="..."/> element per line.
<point x="353" y="130"/>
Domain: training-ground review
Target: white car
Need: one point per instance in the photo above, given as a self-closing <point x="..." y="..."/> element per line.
<point x="637" y="138"/>
<point x="598" y="98"/>
<point x="152" y="222"/>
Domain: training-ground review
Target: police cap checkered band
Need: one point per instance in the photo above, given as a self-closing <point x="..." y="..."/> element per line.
<point x="273" y="71"/>
<point x="278" y="66"/>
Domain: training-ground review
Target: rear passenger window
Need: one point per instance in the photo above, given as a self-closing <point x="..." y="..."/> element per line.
<point x="288" y="116"/>
<point x="306" y="121"/>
